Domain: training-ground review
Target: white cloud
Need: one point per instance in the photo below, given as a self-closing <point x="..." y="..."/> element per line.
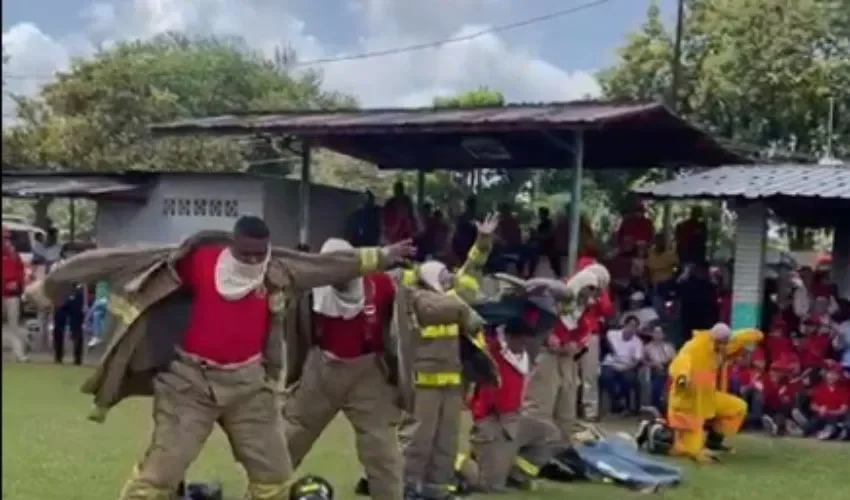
<point x="411" y="78"/>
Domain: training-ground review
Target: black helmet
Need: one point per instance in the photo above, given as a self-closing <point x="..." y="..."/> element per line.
<point x="311" y="488"/>
<point x="659" y="437"/>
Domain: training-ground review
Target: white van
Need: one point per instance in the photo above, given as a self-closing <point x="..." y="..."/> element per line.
<point x="23" y="236"/>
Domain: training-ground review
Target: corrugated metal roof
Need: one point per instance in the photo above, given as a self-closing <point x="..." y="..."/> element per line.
<point x="758" y="182"/>
<point x="519" y="116"/>
<point x="34" y="186"/>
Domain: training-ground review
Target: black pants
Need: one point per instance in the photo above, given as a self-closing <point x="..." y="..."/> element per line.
<point x="69" y="316"/>
<point x="554" y="262"/>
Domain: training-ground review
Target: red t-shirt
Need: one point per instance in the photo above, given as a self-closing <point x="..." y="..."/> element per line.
<point x="830" y="397"/>
<point x="637" y="227"/>
<point x="13" y="274"/>
<point x="814" y="350"/>
<point x="220" y="330"/>
<point x="778" y="346"/>
<point x="398" y="220"/>
<point x="502" y="399"/>
<point x="364" y="333"/>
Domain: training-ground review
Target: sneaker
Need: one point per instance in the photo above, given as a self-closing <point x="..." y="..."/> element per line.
<point x="94" y="342"/>
<point x="799" y="418"/>
<point x="826" y="433"/>
<point x="769" y="425"/>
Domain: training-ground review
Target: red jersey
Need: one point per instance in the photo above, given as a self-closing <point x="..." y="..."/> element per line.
<point x="814" y="350"/>
<point x="830" y="397"/>
<point x="769" y="388"/>
<point x="777" y="346"/>
<point x="13" y="273"/>
<point x="398" y="220"/>
<point x="220" y="330"/>
<point x="363" y="334"/>
<point x="503" y="399"/>
<point x="637" y="228"/>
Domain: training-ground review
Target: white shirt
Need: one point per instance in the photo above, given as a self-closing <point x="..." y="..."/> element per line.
<point x="52" y="253"/>
<point x="624" y="353"/>
<point x="645" y="315"/>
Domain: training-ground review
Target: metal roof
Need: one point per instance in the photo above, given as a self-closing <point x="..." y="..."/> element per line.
<point x="616" y="135"/>
<point x="17" y="185"/>
<point x="752" y="182"/>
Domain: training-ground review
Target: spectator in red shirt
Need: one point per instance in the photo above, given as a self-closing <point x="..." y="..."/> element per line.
<point x="635" y="227"/>
<point x="13" y="286"/>
<point x="777" y="342"/>
<point x="509" y="244"/>
<point x="828" y="408"/>
<point x="692" y="237"/>
<point x="818" y="330"/>
<point x="780" y="390"/>
<point x="399" y="221"/>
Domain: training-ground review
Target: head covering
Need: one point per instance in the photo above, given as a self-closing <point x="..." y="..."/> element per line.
<point x="234" y="280"/>
<point x="582" y="280"/>
<point x="333" y="302"/>
<point x="430" y="272"/>
<point x="637" y="296"/>
<point x="601" y="273"/>
<point x="721" y="332"/>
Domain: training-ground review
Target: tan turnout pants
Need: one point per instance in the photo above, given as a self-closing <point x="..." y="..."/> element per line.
<point x="589" y="369"/>
<point x="358" y="389"/>
<point x="189" y="399"/>
<point x="552" y="392"/>
<point x="12" y="331"/>
<point x="508" y="446"/>
<point x="429" y="440"/>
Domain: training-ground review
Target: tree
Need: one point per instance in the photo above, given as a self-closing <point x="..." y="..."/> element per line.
<point x="477" y="98"/>
<point x="757" y="72"/>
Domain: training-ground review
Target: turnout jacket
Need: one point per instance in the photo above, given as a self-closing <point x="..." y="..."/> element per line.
<point x="148" y="309"/>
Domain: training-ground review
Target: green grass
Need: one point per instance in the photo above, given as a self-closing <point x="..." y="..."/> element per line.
<point x="51" y="452"/>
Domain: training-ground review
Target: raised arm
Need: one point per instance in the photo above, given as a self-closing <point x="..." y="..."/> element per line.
<point x="303" y="271"/>
<point x="472" y="270"/>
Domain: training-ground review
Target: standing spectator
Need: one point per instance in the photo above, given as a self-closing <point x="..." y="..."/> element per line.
<point x="69" y="315"/>
<point x="661" y="263"/>
<point x="698" y="299"/>
<point x="544" y="244"/>
<point x="465" y="229"/>
<point x="619" y="373"/>
<point x="13" y="287"/>
<point x="509" y="240"/>
<point x="692" y="237"/>
<point x="96" y="315"/>
<point x="399" y="220"/>
<point x="437" y="232"/>
<point x="658" y="353"/>
<point x="52" y="249"/>
<point x="364" y="226"/>
<point x="635" y="227"/>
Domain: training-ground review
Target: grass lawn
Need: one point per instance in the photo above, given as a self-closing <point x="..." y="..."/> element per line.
<point x="51" y="452"/>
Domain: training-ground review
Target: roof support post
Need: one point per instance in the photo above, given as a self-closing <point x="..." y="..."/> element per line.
<point x="304" y="194"/>
<point x="841" y="258"/>
<point x="420" y="190"/>
<point x="748" y="275"/>
<point x="575" y="202"/>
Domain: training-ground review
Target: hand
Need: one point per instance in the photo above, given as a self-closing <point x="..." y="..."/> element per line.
<point x="553" y="343"/>
<point x="489" y="225"/>
<point x="399" y="252"/>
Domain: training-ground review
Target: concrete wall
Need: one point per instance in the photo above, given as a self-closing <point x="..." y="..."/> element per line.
<point x="748" y="285"/>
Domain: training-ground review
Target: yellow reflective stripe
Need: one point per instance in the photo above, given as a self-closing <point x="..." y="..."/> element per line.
<point x="276" y="491"/>
<point x="369" y="260"/>
<point x="476" y="256"/>
<point x="409" y="277"/>
<point x="479" y="341"/>
<point x="123" y="309"/>
<point x="444" y="379"/>
<point x="440" y="331"/>
<point x="526" y="467"/>
<point x="468" y="282"/>
<point x="460" y="459"/>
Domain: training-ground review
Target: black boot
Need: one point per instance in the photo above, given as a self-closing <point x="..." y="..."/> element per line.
<point x="714" y="442"/>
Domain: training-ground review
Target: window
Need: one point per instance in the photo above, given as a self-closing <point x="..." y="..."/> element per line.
<point x="215" y="208"/>
<point x="184" y="206"/>
<point x="231" y="208"/>
<point x="200" y="206"/>
<point x="169" y="207"/>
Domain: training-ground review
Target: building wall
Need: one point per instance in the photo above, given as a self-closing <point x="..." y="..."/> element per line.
<point x="750" y="243"/>
<point x="329" y="209"/>
<point x="178" y="207"/>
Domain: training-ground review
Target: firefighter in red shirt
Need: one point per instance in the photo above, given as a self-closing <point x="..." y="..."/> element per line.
<point x="593" y="322"/>
<point x="828" y="407"/>
<point x="507" y="446"/>
<point x="13" y="287"/>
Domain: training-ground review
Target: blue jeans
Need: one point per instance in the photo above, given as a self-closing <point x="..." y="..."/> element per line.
<point x="97" y="319"/>
<point x="658" y="385"/>
<point x="621" y="386"/>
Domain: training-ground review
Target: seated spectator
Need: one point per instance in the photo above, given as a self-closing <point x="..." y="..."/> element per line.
<point x="828" y="409"/>
<point x="841" y="341"/>
<point x="657" y="355"/>
<point x="743" y="372"/>
<point x="619" y="372"/>
<point x="778" y="342"/>
<point x="637" y="307"/>
<point x="777" y="395"/>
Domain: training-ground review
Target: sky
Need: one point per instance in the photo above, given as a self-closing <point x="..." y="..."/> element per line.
<point x="545" y="61"/>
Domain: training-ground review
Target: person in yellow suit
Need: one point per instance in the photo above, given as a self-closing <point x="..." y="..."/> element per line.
<point x="698" y="392"/>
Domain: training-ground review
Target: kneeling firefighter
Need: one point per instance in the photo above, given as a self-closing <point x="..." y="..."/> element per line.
<point x="507" y="446"/>
<point x="699" y="397"/>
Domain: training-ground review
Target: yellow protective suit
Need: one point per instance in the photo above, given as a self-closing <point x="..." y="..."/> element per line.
<point x="698" y="392"/>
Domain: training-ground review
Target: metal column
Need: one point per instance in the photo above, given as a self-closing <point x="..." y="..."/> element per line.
<point x="748" y="275"/>
<point x="304" y="195"/>
<point x="575" y="202"/>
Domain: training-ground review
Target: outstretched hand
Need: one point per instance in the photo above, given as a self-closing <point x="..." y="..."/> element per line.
<point x="488" y="225"/>
<point x="397" y="253"/>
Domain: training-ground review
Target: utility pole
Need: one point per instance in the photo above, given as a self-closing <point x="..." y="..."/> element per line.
<point x="673" y="97"/>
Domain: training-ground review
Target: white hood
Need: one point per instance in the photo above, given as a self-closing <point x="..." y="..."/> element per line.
<point x="329" y="301"/>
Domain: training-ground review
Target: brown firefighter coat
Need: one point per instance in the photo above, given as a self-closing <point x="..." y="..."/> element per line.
<point x="149" y="310"/>
<point x="412" y="310"/>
